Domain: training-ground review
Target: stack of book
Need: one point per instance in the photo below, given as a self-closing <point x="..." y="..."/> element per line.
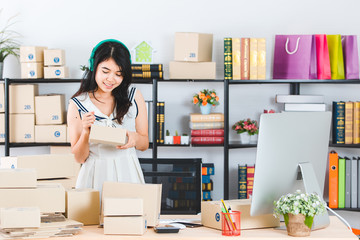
<point x="207" y="170"/>
<point x="207" y="128"/>
<point x="245" y="58"/>
<point x="346" y="122"/>
<point x="147" y="71"/>
<point x="246" y="181"/>
<point x="302" y="103"/>
<point x="344" y="191"/>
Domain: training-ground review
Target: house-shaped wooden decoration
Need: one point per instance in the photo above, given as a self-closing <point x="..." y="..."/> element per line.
<point x="143" y="53"/>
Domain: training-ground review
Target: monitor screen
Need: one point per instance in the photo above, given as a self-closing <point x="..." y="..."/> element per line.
<point x="286" y="140"/>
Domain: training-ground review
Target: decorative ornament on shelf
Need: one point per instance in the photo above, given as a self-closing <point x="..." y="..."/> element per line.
<point x="206" y="99"/>
<point x="247" y="130"/>
<point x="299" y="210"/>
<point x="168" y="138"/>
<point x="143" y="53"/>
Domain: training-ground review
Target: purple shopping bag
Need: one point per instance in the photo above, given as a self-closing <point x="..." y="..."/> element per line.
<point x="294" y="57"/>
<point x="351" y="56"/>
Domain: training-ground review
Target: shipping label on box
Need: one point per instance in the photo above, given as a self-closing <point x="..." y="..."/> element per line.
<point x="56" y="72"/>
<point x="50" y="133"/>
<point x="22" y="128"/>
<point x="32" y="54"/>
<point x="32" y="70"/>
<point x="123" y="207"/>
<point x="190" y="70"/>
<point x="50" y="109"/>
<point x="20" y="217"/>
<point x="2" y="127"/>
<point x="54" y="57"/>
<point x="129" y="225"/>
<point x="2" y="98"/>
<point x="22" y="98"/>
<point x="107" y="135"/>
<point x="193" y="47"/>
<point x="17" y="178"/>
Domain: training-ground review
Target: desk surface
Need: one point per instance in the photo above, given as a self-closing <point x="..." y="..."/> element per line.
<point x="336" y="230"/>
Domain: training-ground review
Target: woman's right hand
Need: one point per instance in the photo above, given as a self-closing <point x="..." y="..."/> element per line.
<point x="87" y="120"/>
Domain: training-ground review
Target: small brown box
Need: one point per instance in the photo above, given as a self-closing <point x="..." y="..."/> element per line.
<point x="32" y="70"/>
<point x="20" y="217"/>
<point x="56" y="72"/>
<point x="129" y="225"/>
<point x="107" y="135"/>
<point x="32" y="54"/>
<point x="50" y="109"/>
<point x="192" y="70"/>
<point x="22" y="128"/>
<point x="123" y="207"/>
<point x="50" y="133"/>
<point x="17" y="178"/>
<point x="193" y="47"/>
<point x="22" y="97"/>
<point x="54" y="57"/>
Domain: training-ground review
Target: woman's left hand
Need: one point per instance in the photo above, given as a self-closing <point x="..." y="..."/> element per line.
<point x="131" y="140"/>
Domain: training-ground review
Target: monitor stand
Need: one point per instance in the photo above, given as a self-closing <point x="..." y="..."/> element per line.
<point x="311" y="185"/>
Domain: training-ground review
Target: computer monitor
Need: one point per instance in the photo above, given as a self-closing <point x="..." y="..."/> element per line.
<point x="290" y="145"/>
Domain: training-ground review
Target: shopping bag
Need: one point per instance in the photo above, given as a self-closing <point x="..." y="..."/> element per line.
<point x="322" y="57"/>
<point x="351" y="56"/>
<point x="294" y="57"/>
<point x="336" y="56"/>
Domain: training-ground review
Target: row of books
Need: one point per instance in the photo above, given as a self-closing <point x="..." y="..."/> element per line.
<point x="146" y="71"/>
<point x="302" y="103"/>
<point x="245" y="58"/>
<point x="160" y="119"/>
<point x="344" y="187"/>
<point x="207" y="128"/>
<point x="246" y="180"/>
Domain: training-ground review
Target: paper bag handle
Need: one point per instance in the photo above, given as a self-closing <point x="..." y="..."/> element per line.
<point x="296" y="48"/>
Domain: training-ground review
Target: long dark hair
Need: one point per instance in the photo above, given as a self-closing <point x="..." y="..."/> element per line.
<point x="121" y="56"/>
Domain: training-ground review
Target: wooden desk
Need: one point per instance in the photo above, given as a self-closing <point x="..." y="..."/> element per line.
<point x="336" y="230"/>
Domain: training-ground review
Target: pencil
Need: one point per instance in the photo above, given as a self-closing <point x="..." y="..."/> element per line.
<point x="226" y="210"/>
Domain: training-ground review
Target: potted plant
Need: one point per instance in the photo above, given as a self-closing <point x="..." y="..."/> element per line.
<point x="168" y="138"/>
<point x="184" y="139"/>
<point x="177" y="138"/>
<point x="8" y="43"/>
<point x="246" y="128"/>
<point x="205" y="99"/>
<point x="299" y="210"/>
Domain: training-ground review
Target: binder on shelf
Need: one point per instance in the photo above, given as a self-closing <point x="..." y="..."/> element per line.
<point x="342" y="173"/>
<point x="333" y="179"/>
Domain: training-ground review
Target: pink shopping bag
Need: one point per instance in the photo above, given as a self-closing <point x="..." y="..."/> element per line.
<point x="322" y="57"/>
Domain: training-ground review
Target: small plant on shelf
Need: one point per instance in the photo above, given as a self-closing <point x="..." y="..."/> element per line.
<point x="168" y="137"/>
<point x="246" y="125"/>
<point x="184" y="139"/>
<point x="205" y="97"/>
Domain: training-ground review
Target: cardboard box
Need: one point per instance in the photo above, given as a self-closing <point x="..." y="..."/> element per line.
<point x="17" y="178"/>
<point x="54" y="57"/>
<point x="32" y="54"/>
<point x="134" y="225"/>
<point x="211" y="215"/>
<point x="50" y="133"/>
<point x="2" y="98"/>
<point x="190" y="70"/>
<point x="22" y="128"/>
<point x="123" y="207"/>
<point x="49" y="198"/>
<point x="50" y="109"/>
<point x="20" y="217"/>
<point x="32" y="70"/>
<point x="21" y="98"/>
<point x="2" y="127"/>
<point x="150" y="193"/>
<point x="67" y="183"/>
<point x="83" y="205"/>
<point x="47" y="166"/>
<point x="193" y="47"/>
<point x="60" y="150"/>
<point x="107" y="135"/>
<point x="56" y="72"/>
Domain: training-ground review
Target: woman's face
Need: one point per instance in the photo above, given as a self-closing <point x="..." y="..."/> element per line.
<point x="108" y="75"/>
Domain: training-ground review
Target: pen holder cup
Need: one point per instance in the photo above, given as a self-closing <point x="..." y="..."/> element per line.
<point x="230" y="223"/>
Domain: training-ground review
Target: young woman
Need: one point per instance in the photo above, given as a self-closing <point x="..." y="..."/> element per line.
<point x="106" y="98"/>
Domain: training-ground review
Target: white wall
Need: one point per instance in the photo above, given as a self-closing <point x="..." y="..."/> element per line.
<point x="77" y="26"/>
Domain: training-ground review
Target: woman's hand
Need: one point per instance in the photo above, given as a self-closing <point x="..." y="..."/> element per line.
<point x="131" y="140"/>
<point x="88" y="119"/>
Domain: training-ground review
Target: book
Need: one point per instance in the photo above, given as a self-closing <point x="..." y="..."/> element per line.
<point x="253" y="59"/>
<point x="338" y="133"/>
<point x="354" y="183"/>
<point x="147" y="67"/>
<point x="341" y="186"/>
<point x="212" y="117"/>
<point x="284" y="98"/>
<point x="358" y="186"/>
<point x="333" y="179"/>
<point x="242" y="171"/>
<point x="206" y="125"/>
<point x="305" y="107"/>
<point x="236" y="60"/>
<point x="147" y="74"/>
<point x="228" y="58"/>
<point x="207" y="140"/>
<point x="347" y="182"/>
<point x="160" y="120"/>
<point x="207" y="132"/>
<point x="250" y="172"/>
<point x="349" y="109"/>
<point x="261" y="63"/>
<point x="149" y="108"/>
<point x="356" y="123"/>
<point x="245" y="55"/>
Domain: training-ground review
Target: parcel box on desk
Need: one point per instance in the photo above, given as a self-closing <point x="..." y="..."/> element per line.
<point x="47" y="166"/>
<point x="50" y="133"/>
<point x="50" y="109"/>
<point x="54" y="57"/>
<point x="48" y="197"/>
<point x="193" y="47"/>
<point x="32" y="70"/>
<point x="129" y="225"/>
<point x="123" y="207"/>
<point x="107" y="135"/>
<point x="17" y="178"/>
<point x="67" y="183"/>
<point x="211" y="215"/>
<point x="20" y="217"/>
<point x="56" y="72"/>
<point x="22" y="97"/>
<point x="32" y="54"/>
<point x="22" y="128"/>
<point x="150" y="193"/>
<point x="192" y="70"/>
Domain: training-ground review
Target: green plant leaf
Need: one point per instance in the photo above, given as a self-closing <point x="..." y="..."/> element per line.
<point x="286" y="219"/>
<point x="309" y="221"/>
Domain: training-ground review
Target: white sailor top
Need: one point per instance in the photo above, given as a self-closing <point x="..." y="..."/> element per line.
<point x="106" y="162"/>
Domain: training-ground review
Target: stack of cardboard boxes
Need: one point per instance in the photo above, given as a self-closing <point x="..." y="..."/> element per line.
<point x="193" y="57"/>
<point x="54" y="60"/>
<point x="32" y="61"/>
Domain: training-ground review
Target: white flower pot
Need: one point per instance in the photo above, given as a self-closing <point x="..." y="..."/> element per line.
<point x="254" y="139"/>
<point x="184" y="140"/>
<point x="169" y="139"/>
<point x="244" y="138"/>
